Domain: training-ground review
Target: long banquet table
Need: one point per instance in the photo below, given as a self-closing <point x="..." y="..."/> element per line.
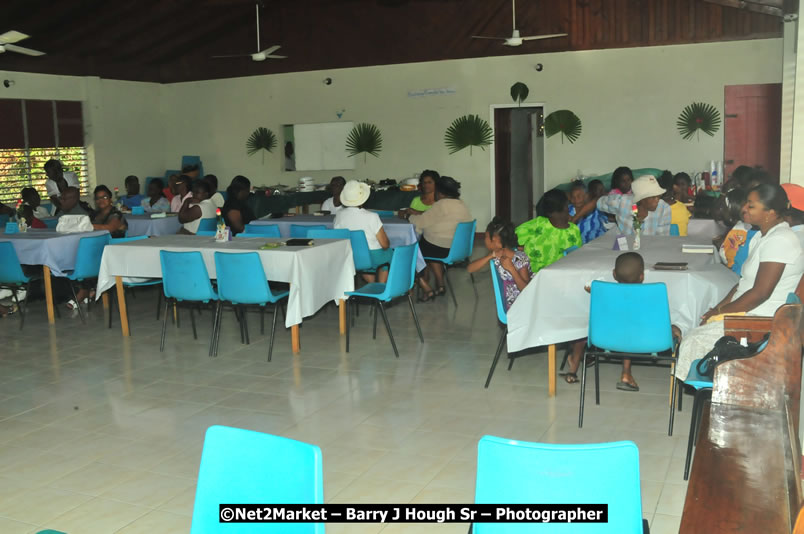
<point x="554" y="307"/>
<point x="317" y="274"/>
<point x="145" y="225"/>
<point x="55" y="252"/>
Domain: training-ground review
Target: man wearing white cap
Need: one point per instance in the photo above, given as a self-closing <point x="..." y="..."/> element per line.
<point x="652" y="212"/>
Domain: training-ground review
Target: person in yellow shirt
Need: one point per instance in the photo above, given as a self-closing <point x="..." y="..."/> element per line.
<point x="677" y="196"/>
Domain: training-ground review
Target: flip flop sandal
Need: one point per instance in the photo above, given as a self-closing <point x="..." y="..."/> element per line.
<point x="441" y="291"/>
<point x="570" y="378"/>
<point x="430" y="295"/>
<point x="10" y="310"/>
<point x="625" y="386"/>
<point x="71" y="305"/>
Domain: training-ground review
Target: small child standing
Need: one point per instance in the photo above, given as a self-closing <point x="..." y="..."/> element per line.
<point x="512" y="265"/>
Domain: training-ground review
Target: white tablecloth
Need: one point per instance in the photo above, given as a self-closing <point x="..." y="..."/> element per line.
<point x="48" y="247"/>
<point x="399" y="231"/>
<point x="705" y="228"/>
<point x="554" y="307"/>
<point x="317" y="274"/>
<point x="145" y="225"/>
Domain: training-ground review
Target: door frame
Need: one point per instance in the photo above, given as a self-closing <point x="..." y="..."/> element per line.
<point x="492" y="167"/>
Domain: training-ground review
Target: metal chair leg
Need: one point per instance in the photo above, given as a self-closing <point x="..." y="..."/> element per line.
<point x="449" y="286"/>
<point x="597" y="380"/>
<point x="240" y="323"/>
<point x="273" y="332"/>
<point x="564" y="361"/>
<point x="19" y="306"/>
<point x="214" y="329"/>
<point x="388" y="327"/>
<point x="158" y="304"/>
<point x="374" y="329"/>
<point x="680" y="394"/>
<point x="262" y="320"/>
<point x="415" y="317"/>
<point x="192" y="322"/>
<point x="164" y="325"/>
<point x="78" y="304"/>
<point x="472" y="278"/>
<point x="349" y="312"/>
<point x="583" y="390"/>
<point x="245" y="324"/>
<point x="497" y="355"/>
<point x="697" y="404"/>
<point x="672" y="406"/>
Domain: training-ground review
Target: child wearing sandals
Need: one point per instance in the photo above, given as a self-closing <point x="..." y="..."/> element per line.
<point x="512" y="265"/>
<point x="629" y="268"/>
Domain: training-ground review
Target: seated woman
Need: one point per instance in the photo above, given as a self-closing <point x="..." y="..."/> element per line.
<point x="652" y="212"/>
<point x="156" y="201"/>
<point x="426" y="198"/>
<point x="771" y="272"/>
<point x="196" y="207"/>
<point x="591" y="225"/>
<point x="621" y="180"/>
<point x="333" y="203"/>
<point x="30" y="197"/>
<point x="733" y="247"/>
<point x="513" y="265"/>
<point x="354" y="217"/>
<point x="546" y="237"/>
<point x="106" y="216"/>
<point x="236" y="211"/>
<point x="437" y="228"/>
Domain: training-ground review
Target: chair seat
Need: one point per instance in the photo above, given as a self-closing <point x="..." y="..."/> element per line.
<point x="597" y="351"/>
<point x="143" y="284"/>
<point x="368" y="291"/>
<point x="445" y="261"/>
<point x="695" y="379"/>
<point x="273" y="299"/>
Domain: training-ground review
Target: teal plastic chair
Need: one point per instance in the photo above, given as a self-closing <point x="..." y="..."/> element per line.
<point x="243" y="466"/>
<point x="4" y="218"/>
<point x="462" y="243"/>
<point x="11" y="227"/>
<point x="301" y="230"/>
<point x="87" y="263"/>
<point x="330" y="233"/>
<point x="207" y="233"/>
<point x="385" y="214"/>
<point x="647" y="335"/>
<point x="184" y="279"/>
<point x="129" y="285"/>
<point x="360" y="252"/>
<point x="502" y="316"/>
<point x="210" y="223"/>
<point x="12" y="277"/>
<point x="193" y="160"/>
<point x="567" y="251"/>
<point x="261" y="230"/>
<point x="242" y="282"/>
<point x="51" y="222"/>
<point x="401" y="277"/>
<point x="520" y="472"/>
<point x="674" y="231"/>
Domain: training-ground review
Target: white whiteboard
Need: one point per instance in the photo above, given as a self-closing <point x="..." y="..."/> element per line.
<point x="322" y="147"/>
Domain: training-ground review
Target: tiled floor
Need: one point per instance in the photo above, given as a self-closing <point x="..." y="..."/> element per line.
<point x="101" y="435"/>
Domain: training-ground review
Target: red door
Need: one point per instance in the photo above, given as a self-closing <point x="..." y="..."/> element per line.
<point x="752" y="129"/>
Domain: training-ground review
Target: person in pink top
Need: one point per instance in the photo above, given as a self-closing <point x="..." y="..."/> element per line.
<point x="621" y="180"/>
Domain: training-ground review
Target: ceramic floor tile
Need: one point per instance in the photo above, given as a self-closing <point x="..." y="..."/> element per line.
<point x="148" y="489"/>
<point x="9" y="526"/>
<point x="98" y="516"/>
<point x="158" y="521"/>
<point x="181" y="504"/>
<point x="40" y="505"/>
<point x="671" y="501"/>
<point x="665" y="524"/>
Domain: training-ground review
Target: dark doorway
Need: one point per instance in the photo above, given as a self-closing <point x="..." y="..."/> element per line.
<point x="753" y="127"/>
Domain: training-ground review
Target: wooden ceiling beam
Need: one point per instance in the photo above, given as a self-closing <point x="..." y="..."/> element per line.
<point x="767" y="7"/>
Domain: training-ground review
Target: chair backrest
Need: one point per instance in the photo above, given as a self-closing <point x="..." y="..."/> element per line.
<point x="329" y="233"/>
<point x="243" y="466"/>
<point x="520" y="472"/>
<point x="185" y="276"/>
<point x="265" y="230"/>
<point x="117" y="241"/>
<point x="360" y="250"/>
<point x="301" y="230"/>
<point x="88" y="257"/>
<point x="384" y="213"/>
<point x="241" y="278"/>
<point x="10" y="268"/>
<point x="401" y="275"/>
<point x="207" y="233"/>
<point x="674" y="230"/>
<point x="11" y="227"/>
<point x="630" y="317"/>
<point x="207" y="224"/>
<point x="51" y="222"/>
<point x="4" y="218"/>
<point x="496" y="281"/>
<point x="568" y="250"/>
<point x="193" y="160"/>
<point x="138" y="210"/>
<point x="462" y="242"/>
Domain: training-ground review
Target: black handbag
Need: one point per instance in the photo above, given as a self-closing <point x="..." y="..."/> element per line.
<point x="726" y="349"/>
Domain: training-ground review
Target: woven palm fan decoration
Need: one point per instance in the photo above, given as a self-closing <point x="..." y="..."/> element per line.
<point x="468" y="131"/>
<point x="261" y="139"/>
<point x="564" y="122"/>
<point x="364" y="139"/>
<point x="698" y="117"/>
<point x="519" y="92"/>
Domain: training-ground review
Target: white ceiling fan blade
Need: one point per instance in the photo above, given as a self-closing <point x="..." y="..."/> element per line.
<point x="537" y="37"/>
<point x="271" y="50"/>
<point x="484" y="37"/>
<point x="12" y="37"/>
<point x="23" y="50"/>
<point x="232" y="55"/>
<point x="276" y="57"/>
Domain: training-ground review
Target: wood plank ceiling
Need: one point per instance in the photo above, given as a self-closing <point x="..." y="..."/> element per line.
<point x="172" y="40"/>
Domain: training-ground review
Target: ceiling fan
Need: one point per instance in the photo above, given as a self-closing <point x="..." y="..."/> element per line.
<point x="6" y="44"/>
<point x="260" y="55"/>
<point x="516" y="39"/>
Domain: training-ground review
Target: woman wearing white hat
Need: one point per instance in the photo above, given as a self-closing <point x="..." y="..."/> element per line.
<point x="354" y="217"/>
<point x="652" y="212"/>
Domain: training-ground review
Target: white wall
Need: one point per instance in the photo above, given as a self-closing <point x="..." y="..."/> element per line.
<point x="123" y="122"/>
<point x="628" y="100"/>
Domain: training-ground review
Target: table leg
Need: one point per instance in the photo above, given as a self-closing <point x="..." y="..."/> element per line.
<point x="121" y="305"/>
<point x="342" y="315"/>
<point x="51" y="314"/>
<point x="294" y="338"/>
<point x="105" y="300"/>
<point x="551" y="370"/>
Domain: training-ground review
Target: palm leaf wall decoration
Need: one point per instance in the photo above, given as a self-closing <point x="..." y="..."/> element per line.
<point x="468" y="131"/>
<point x="364" y="139"/>
<point x="261" y="139"/>
<point x="698" y="117"/>
<point x="564" y="122"/>
<point x="519" y="92"/>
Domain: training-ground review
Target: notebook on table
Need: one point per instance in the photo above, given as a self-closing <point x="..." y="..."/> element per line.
<point x="697" y="249"/>
<point x="669" y="266"/>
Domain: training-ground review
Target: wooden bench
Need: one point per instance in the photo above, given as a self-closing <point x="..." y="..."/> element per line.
<point x="745" y="475"/>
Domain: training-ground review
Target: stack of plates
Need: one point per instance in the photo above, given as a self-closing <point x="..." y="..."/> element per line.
<point x="306" y="184"/>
